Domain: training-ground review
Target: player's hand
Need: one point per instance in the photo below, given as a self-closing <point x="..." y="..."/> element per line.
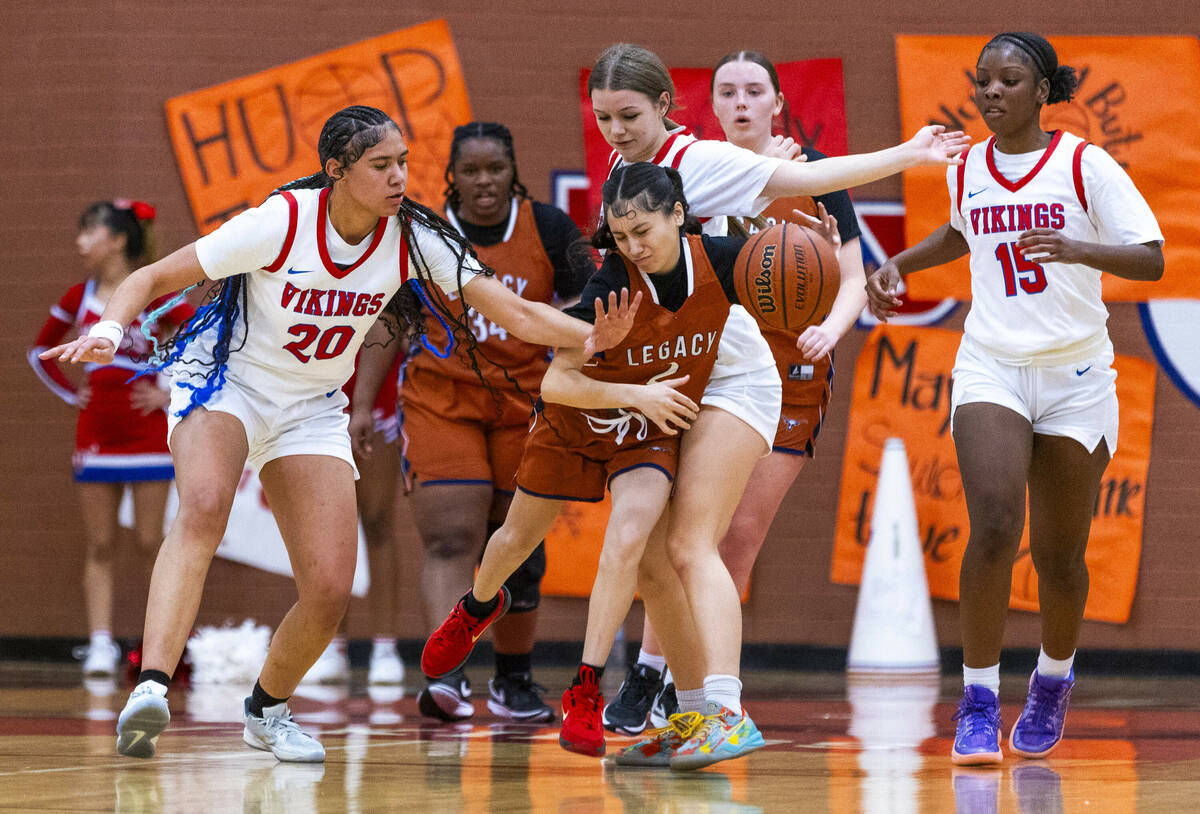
<point x="362" y="429"/>
<point x="83" y="349"/>
<point x="83" y="396"/>
<point x="882" y="286"/>
<point x="933" y="145"/>
<point x="816" y="342"/>
<point x="613" y="324"/>
<point x="663" y="404"/>
<point x="824" y="224"/>
<point x="147" y="397"/>
<point x="786" y="148"/>
<point x="1048" y="246"/>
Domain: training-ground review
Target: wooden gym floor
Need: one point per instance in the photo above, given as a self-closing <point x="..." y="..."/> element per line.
<point x="833" y="746"/>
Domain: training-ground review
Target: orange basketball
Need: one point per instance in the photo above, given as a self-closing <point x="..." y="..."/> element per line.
<point x="787" y="277"/>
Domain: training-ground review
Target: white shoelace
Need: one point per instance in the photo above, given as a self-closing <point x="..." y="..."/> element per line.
<point x="620" y="424"/>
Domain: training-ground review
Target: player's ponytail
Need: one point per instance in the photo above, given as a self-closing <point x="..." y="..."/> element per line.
<point x="1041" y="53"/>
<point x="646" y="187"/>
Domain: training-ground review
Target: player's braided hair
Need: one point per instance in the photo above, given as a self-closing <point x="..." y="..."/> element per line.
<point x="345" y="136"/>
<point x="486" y="130"/>
<point x="646" y="187"/>
<point x="1041" y="53"/>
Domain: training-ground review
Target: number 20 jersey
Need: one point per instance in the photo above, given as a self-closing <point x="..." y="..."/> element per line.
<point x="1025" y="311"/>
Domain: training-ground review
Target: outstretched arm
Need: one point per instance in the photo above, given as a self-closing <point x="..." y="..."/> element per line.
<point x="177" y="270"/>
<point x="930" y="146"/>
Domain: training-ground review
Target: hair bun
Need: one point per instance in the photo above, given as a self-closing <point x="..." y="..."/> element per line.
<point x="1062" y="85"/>
<point x="140" y="209"/>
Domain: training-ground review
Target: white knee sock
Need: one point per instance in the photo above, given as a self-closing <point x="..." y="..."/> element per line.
<point x="725" y="690"/>
<point x="984" y="677"/>
<point x="1054" y="668"/>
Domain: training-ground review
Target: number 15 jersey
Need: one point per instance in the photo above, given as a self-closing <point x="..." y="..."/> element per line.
<point x="1025" y="311"/>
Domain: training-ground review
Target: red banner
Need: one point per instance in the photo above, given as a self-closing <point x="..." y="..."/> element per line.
<point x="814" y="113"/>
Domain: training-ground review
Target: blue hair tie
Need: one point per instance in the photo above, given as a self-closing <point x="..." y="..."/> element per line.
<point x="416" y="284"/>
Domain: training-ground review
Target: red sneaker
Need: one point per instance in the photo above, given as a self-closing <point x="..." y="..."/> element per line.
<point x="451" y="644"/>
<point x="582" y="727"/>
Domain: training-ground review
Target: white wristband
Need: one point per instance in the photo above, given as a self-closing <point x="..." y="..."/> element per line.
<point x="109" y="329"/>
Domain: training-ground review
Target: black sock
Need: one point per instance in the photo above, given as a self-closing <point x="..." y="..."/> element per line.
<point x="583" y="670"/>
<point x="154" y="675"/>
<point x="480" y="609"/>
<point x="509" y="663"/>
<point x="259" y="699"/>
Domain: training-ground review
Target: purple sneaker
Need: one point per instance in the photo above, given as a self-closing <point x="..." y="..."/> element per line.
<point x="1040" y="727"/>
<point x="977" y="739"/>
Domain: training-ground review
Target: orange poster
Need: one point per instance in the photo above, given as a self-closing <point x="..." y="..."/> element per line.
<point x="902" y="389"/>
<point x="237" y="141"/>
<point x="1136" y="99"/>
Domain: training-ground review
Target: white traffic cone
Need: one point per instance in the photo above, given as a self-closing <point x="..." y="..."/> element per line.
<point x="893" y="622"/>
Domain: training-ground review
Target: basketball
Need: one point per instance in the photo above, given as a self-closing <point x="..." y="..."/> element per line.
<point x="787" y="277"/>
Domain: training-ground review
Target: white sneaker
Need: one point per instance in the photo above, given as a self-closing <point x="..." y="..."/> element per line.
<point x="386" y="668"/>
<point x="276" y="732"/>
<point x="144" y="718"/>
<point x="102" y="659"/>
<point x="331" y="667"/>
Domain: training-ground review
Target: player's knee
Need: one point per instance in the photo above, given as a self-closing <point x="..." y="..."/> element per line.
<point x="377" y="528"/>
<point x="148" y="542"/>
<point x="451" y="542"/>
<point x="204" y="514"/>
<point x="525" y="584"/>
<point x="996" y="530"/>
<point x="1064" y="568"/>
<point x="100" y="549"/>
<point x="328" y="596"/>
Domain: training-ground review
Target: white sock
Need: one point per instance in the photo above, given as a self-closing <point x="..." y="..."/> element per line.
<point x="650" y="660"/>
<point x="691" y="700"/>
<point x="984" y="677"/>
<point x="383" y="647"/>
<point x="725" y="690"/>
<point x="101" y="637"/>
<point x="1054" y="668"/>
<point x="667" y="677"/>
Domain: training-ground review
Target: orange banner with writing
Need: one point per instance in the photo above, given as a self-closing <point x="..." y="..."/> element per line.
<point x="1137" y="98"/>
<point x="902" y="389"/>
<point x="237" y="141"/>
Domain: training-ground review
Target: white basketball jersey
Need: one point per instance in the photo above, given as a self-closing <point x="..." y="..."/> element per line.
<point x="1023" y="311"/>
<point x="308" y="315"/>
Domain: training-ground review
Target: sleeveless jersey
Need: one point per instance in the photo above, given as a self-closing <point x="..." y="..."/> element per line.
<point x="521" y="263"/>
<point x="661" y="345"/>
<point x="721" y="179"/>
<point x="1024" y="311"/>
<point x="307" y="315"/>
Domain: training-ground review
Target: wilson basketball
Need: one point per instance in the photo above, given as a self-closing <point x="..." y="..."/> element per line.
<point x="787" y="277"/>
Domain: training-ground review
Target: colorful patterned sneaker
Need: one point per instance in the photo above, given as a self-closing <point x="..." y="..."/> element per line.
<point x="627" y="712"/>
<point x="582" y="731"/>
<point x="666" y="704"/>
<point x="144" y="718"/>
<point x="278" y="733"/>
<point x="446" y="698"/>
<point x="723" y="734"/>
<point x="518" y="697"/>
<point x="977" y="738"/>
<point x="451" y="644"/>
<point x="1040" y="727"/>
<point x="658" y="744"/>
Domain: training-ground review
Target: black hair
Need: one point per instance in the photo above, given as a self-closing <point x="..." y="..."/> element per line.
<point x="133" y="219"/>
<point x="625" y="66"/>
<point x="745" y="56"/>
<point x="485" y="130"/>
<point x="1042" y="55"/>
<point x="345" y="136"/>
<point x="646" y="187"/>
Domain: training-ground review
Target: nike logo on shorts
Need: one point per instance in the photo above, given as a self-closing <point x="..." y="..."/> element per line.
<point x="1085" y="370"/>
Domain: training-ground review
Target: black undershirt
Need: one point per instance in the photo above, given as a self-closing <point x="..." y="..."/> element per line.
<point x="671" y="287"/>
<point x="569" y="253"/>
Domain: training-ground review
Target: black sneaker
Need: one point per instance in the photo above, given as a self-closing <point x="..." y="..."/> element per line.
<point x="665" y="705"/>
<point x="626" y="713"/>
<point x="446" y="698"/>
<point x="517" y="697"/>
